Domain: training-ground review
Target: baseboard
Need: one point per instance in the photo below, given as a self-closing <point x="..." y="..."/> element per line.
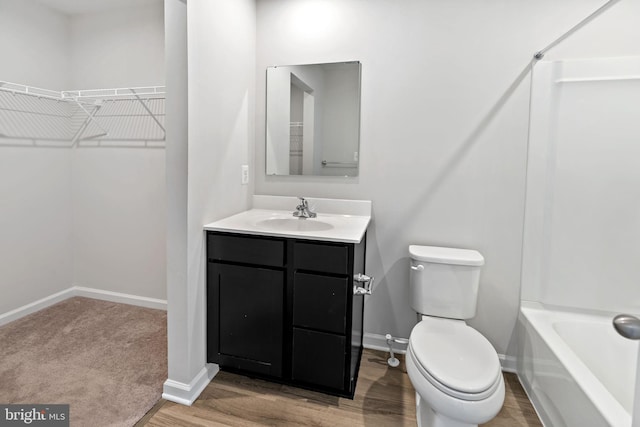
<point x="186" y="394"/>
<point x="508" y="363"/>
<point x="379" y="342"/>
<point x="80" y="291"/>
<point x="38" y="305"/>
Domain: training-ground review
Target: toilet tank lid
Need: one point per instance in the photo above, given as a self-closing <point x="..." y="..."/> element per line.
<point x="446" y="255"/>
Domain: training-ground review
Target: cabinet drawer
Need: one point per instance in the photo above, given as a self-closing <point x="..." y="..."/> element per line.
<point x="320" y="302"/>
<point x="322" y="258"/>
<point x="318" y="358"/>
<point x="249" y="250"/>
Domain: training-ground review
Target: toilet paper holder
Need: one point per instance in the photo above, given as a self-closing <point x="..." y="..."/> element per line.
<point x="362" y="284"/>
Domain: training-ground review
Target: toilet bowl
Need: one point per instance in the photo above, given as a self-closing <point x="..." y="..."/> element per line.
<point x="456" y="373"/>
<point x="454" y="369"/>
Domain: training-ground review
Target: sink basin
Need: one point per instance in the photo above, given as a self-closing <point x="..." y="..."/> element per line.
<point x="293" y="224"/>
<point x="344" y="221"/>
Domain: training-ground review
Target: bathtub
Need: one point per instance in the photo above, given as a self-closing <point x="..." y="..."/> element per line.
<point x="577" y="371"/>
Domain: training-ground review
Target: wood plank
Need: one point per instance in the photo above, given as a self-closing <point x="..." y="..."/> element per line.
<point x="384" y="396"/>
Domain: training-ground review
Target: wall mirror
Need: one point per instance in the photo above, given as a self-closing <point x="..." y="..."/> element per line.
<point x="313" y="119"/>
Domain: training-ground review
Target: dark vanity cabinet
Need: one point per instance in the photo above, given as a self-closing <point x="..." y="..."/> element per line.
<point x="285" y="309"/>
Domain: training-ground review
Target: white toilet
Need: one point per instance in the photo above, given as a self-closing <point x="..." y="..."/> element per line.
<point x="454" y="369"/>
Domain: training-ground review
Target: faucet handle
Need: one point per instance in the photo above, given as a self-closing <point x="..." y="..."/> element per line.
<point x="303" y="202"/>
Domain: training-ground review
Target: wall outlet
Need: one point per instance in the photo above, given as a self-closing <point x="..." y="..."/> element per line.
<point x="245" y="174"/>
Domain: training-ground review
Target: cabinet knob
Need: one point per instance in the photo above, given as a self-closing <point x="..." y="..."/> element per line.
<point x="363" y="284"/>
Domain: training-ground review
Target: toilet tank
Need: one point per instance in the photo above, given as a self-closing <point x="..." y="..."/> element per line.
<point x="444" y="281"/>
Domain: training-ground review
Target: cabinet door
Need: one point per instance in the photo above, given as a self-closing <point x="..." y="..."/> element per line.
<point x="318" y="358"/>
<point x="248" y="317"/>
<point x="320" y="302"/>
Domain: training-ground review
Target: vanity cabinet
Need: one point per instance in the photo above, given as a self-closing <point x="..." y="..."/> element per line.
<point x="284" y="309"/>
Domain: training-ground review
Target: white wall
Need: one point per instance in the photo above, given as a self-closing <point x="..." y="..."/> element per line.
<point x="118" y="48"/>
<point x="177" y="126"/>
<point x="35" y="181"/>
<point x="119" y="194"/>
<point x="221" y="123"/>
<point x="35" y="224"/>
<point x="221" y="38"/>
<point x="221" y="87"/>
<point x="445" y="97"/>
<point x="119" y="220"/>
<point x="35" y="45"/>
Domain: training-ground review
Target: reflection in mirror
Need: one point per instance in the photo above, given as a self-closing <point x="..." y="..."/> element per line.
<point x="313" y="119"/>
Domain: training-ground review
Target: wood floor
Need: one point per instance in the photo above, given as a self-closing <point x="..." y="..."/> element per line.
<point x="384" y="397"/>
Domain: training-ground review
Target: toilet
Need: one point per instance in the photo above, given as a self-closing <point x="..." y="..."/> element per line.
<point x="454" y="369"/>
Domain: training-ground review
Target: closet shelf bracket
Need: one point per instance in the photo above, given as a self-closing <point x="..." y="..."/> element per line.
<point x="90" y="118"/>
<point x="144" y="105"/>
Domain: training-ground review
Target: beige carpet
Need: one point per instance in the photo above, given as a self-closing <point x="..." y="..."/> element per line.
<point x="107" y="360"/>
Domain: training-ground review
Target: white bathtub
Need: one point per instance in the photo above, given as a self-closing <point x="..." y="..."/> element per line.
<point x="576" y="369"/>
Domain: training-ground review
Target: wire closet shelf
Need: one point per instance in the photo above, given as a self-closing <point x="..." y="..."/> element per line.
<point x="134" y="115"/>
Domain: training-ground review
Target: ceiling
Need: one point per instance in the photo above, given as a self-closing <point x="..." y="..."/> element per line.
<point x="77" y="7"/>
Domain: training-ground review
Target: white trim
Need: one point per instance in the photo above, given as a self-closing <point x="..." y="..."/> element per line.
<point x="186" y="394"/>
<point x="100" y="294"/>
<point x="38" y="305"/>
<point x="508" y="363"/>
<point x="80" y="291"/>
<point x="379" y="342"/>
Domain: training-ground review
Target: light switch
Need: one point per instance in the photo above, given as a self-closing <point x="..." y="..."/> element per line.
<point x="245" y="175"/>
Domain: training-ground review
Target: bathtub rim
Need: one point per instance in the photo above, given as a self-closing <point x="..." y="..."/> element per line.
<point x="543" y="316"/>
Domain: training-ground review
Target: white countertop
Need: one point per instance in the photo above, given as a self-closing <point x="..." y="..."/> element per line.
<point x="280" y="223"/>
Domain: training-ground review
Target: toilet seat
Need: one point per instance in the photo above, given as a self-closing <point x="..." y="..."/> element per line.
<point x="455" y="358"/>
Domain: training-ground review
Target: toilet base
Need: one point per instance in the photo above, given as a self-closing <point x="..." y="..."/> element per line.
<point x="427" y="417"/>
<point x="437" y="409"/>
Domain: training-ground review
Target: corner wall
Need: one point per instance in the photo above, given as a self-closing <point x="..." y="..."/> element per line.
<point x="118" y="48"/>
<point x="88" y="216"/>
<point x="35" y="180"/>
<point x="177" y="125"/>
<point x="35" y="45"/>
<point x="220" y="62"/>
<point x="119" y="193"/>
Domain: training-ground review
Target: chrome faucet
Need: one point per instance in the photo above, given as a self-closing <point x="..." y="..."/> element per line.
<point x="302" y="210"/>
